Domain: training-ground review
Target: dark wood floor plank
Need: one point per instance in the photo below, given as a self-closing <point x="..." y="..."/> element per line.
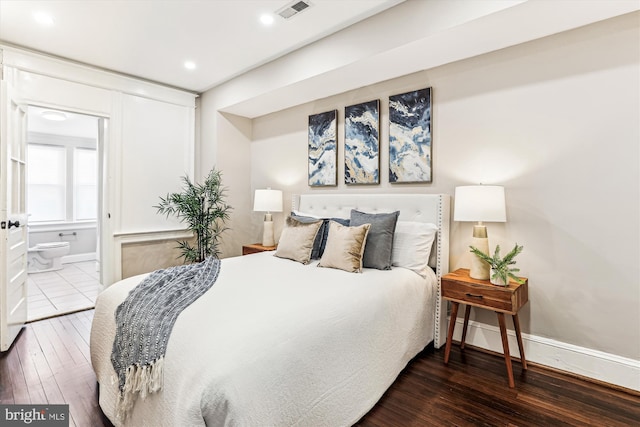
<point x="29" y="369"/>
<point x="6" y="386"/>
<point x="47" y="379"/>
<point x="76" y="345"/>
<point x="46" y="340"/>
<point x="68" y="340"/>
<point x="471" y="390"/>
<point x="16" y="375"/>
<point x="83" y="320"/>
<point x="82" y="324"/>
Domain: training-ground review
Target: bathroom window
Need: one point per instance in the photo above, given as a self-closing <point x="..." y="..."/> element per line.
<point x="47" y="183"/>
<point x="62" y="183"/>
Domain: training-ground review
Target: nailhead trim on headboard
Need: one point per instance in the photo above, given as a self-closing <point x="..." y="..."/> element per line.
<point x="413" y="207"/>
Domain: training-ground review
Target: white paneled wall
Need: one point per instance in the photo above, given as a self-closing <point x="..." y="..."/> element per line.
<point x="149" y="145"/>
<point x="154" y="157"/>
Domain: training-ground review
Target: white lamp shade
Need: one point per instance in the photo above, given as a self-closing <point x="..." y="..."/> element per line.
<point x="268" y="201"/>
<point x="483" y="203"/>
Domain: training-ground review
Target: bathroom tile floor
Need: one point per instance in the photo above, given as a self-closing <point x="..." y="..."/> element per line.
<point x="73" y="288"/>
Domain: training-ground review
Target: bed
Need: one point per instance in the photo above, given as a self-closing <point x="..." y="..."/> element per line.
<point x="276" y="342"/>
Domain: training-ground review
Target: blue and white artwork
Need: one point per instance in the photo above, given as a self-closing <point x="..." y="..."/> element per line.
<point x="323" y="152"/>
<point x="362" y="143"/>
<point x="410" y="137"/>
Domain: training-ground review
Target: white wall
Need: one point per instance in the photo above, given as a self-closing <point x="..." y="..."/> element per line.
<point x="556" y="121"/>
<point x="415" y="35"/>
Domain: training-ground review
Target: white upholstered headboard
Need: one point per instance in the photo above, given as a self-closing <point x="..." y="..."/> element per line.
<point x="433" y="208"/>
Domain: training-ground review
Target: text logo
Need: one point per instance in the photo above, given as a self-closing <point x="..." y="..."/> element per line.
<point x="34" y="415"/>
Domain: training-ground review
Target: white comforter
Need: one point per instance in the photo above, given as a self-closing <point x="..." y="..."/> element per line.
<point x="277" y="343"/>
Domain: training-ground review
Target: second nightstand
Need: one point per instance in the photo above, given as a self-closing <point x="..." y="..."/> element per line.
<point x="255" y="248"/>
<point x="459" y="288"/>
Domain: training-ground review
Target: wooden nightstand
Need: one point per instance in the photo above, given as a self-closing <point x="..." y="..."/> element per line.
<point x="459" y="288"/>
<point x="255" y="248"/>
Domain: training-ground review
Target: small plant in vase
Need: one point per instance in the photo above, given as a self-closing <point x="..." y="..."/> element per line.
<point x="501" y="269"/>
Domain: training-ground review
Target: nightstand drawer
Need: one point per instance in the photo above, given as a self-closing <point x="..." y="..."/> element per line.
<point x="468" y="294"/>
<point x="480" y="293"/>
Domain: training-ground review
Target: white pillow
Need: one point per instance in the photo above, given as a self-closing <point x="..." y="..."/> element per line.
<point x="412" y="242"/>
<point x="298" y="213"/>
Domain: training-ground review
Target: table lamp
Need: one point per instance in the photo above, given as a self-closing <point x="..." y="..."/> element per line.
<point x="481" y="203"/>
<point x="268" y="201"/>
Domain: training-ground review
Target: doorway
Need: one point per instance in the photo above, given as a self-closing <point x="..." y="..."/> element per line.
<point x="63" y="199"/>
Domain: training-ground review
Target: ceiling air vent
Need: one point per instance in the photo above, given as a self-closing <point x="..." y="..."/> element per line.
<point x="293" y="8"/>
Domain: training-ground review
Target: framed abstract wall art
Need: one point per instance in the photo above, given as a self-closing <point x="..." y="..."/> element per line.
<point x="323" y="151"/>
<point x="362" y="143"/>
<point x="410" y="137"/>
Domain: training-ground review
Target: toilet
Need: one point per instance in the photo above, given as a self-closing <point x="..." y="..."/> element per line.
<point x="46" y="256"/>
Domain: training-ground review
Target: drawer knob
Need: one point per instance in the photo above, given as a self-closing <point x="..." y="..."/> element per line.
<point x="474" y="295"/>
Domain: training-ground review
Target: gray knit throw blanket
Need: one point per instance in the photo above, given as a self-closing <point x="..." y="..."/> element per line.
<point x="144" y="321"/>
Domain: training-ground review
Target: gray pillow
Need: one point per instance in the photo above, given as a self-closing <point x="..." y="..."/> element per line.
<point x="377" y="252"/>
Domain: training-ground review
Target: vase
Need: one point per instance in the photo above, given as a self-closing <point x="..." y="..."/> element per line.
<point x="498" y="280"/>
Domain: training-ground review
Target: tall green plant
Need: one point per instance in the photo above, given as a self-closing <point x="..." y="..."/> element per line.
<point x="203" y="209"/>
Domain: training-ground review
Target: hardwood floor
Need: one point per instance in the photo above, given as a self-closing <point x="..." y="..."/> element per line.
<point x="49" y="363"/>
<point x="473" y="391"/>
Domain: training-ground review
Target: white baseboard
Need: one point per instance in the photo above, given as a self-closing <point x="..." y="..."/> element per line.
<point x="90" y="256"/>
<point x="612" y="369"/>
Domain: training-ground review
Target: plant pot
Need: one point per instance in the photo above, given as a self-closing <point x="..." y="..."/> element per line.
<point x="497" y="281"/>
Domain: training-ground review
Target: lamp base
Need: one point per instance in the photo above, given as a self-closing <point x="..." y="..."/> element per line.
<point x="479" y="268"/>
<point x="267" y="234"/>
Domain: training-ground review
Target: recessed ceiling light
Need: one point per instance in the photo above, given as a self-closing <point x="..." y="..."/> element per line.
<point x="189" y="65"/>
<point x="56" y="116"/>
<point x="266" y="19"/>
<point x="43" y="18"/>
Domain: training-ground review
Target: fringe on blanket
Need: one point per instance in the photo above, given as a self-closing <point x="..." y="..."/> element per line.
<point x="139" y="382"/>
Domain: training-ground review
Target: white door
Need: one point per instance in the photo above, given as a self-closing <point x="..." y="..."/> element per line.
<point x="13" y="217"/>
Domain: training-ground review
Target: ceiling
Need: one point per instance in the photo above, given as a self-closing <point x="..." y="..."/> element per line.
<point x="153" y="39"/>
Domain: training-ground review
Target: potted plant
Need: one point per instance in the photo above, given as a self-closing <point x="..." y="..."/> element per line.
<point x="501" y="269"/>
<point x="203" y="209"/>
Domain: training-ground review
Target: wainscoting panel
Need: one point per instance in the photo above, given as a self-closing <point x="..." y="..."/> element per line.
<point x="144" y="257"/>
